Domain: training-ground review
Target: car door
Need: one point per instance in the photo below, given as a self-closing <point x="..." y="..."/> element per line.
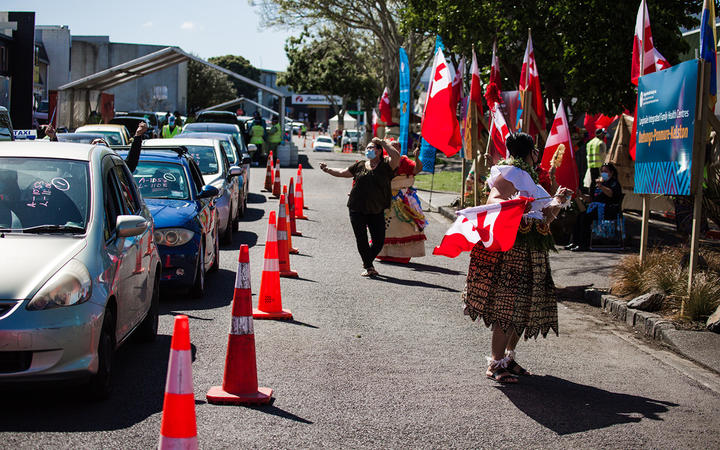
<point x="136" y="246"/>
<point x="207" y="215"/>
<point x="233" y="182"/>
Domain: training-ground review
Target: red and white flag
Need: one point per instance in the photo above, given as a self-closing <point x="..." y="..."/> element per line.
<point x="440" y="126"/>
<point x="374" y="123"/>
<point x="566" y="173"/>
<point x="495" y="225"/>
<point x="499" y="130"/>
<point x="653" y="61"/>
<point x="530" y="82"/>
<point x="457" y="84"/>
<point x="384" y="107"/>
<point x="475" y="84"/>
<point x="495" y="69"/>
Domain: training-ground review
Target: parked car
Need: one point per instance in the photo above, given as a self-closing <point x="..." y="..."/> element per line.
<point x="131" y="123"/>
<point x="237" y="156"/>
<point x="351" y="137"/>
<point x="115" y="134"/>
<point x="323" y="144"/>
<point x="6" y="129"/>
<point x="152" y="118"/>
<point x="225" y="128"/>
<point x="80" y="272"/>
<point x="217" y="117"/>
<point x="186" y="226"/>
<point x="216" y="171"/>
<point x="41" y="114"/>
<point x="78" y="138"/>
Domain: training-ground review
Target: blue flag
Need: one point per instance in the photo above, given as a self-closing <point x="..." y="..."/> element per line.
<point x="708" y="46"/>
<point x="404" y="102"/>
<point x="427" y="151"/>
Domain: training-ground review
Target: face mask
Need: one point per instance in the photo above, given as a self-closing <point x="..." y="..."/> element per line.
<point x="370" y="153"/>
<point x="605" y="176"/>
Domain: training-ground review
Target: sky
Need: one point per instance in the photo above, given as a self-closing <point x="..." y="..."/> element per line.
<point x="206" y="28"/>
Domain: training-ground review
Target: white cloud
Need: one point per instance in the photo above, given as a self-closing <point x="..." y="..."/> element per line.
<point x="187" y="26"/>
<point x="147" y="25"/>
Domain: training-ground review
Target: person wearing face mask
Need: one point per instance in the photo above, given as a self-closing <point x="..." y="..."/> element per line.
<point x="513" y="291"/>
<point x="369" y="196"/>
<point x="605" y="203"/>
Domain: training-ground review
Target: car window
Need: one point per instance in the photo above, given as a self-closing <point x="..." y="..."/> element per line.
<point x="196" y="175"/>
<point x="325" y="140"/>
<point x="229" y="151"/>
<point x="112" y="202"/>
<point x="161" y="180"/>
<point x="205" y="157"/>
<point x="43" y="191"/>
<point x="112" y="137"/>
<point x="130" y="201"/>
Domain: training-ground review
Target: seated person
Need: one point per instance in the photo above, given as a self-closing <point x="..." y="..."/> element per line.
<point x="605" y="204"/>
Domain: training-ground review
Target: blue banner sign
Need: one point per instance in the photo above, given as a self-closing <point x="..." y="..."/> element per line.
<point x="404" y="102"/>
<point x="665" y="130"/>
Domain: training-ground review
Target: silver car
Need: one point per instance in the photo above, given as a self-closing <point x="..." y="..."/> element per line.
<point x="216" y="171"/>
<point x="79" y="271"/>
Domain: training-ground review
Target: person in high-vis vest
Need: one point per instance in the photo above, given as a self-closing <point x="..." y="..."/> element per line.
<point x="257" y="137"/>
<point x="274" y="136"/>
<point x="171" y="130"/>
<point x="595" y="151"/>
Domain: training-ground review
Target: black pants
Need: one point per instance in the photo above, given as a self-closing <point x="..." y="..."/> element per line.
<point x="582" y="229"/>
<point x="594" y="175"/>
<point x="376" y="224"/>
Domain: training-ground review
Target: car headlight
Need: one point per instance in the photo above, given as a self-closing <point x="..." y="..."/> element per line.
<point x="70" y="286"/>
<point x="172" y="237"/>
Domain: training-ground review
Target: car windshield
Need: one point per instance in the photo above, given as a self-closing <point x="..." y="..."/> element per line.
<point x="161" y="180"/>
<point x="324" y="140"/>
<point x="112" y="137"/>
<point x="44" y="194"/>
<point x="352" y="134"/>
<point x="205" y="158"/>
<point x="82" y="138"/>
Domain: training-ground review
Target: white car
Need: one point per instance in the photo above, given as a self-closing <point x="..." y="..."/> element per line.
<point x="351" y="137"/>
<point x="323" y="144"/>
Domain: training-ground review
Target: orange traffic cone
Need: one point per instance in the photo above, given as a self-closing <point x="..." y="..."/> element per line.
<point x="276" y="180"/>
<point x="292" y="250"/>
<point x="283" y="247"/>
<point x="302" y="185"/>
<point x="178" y="428"/>
<point x="240" y="383"/>
<point x="291" y="209"/>
<point x="270" y="298"/>
<point x="269" y="174"/>
<point x="299" y="203"/>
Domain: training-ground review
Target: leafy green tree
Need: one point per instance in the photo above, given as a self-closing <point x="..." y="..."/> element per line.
<point x="241" y="66"/>
<point x="583" y="48"/>
<point x="207" y="86"/>
<point x="333" y="62"/>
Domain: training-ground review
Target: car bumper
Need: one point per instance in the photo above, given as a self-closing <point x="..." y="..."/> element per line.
<point x="179" y="264"/>
<point x="55" y="344"/>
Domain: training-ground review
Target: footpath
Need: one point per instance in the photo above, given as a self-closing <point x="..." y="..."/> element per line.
<point x="584" y="277"/>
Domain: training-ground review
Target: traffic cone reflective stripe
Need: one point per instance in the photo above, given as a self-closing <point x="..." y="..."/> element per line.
<point x="270" y="298"/>
<point x="179" y="428"/>
<point x="240" y="378"/>
<point x="283" y="247"/>
<point x="291" y="209"/>
<point x="269" y="174"/>
<point x="276" y="181"/>
<point x="292" y="250"/>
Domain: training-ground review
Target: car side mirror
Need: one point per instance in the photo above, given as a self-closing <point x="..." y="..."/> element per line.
<point x="246" y="159"/>
<point x="130" y="225"/>
<point x="208" y="191"/>
<point x="252" y="147"/>
<point x="235" y="171"/>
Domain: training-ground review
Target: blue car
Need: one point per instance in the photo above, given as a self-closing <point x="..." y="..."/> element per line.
<point x="185" y="216"/>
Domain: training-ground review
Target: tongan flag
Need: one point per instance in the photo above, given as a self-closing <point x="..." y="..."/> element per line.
<point x="374" y="122"/>
<point x="427" y="151"/>
<point x="404" y="102"/>
<point x="495" y="69"/>
<point x="457" y="84"/>
<point x="530" y="81"/>
<point x="564" y="160"/>
<point x="495" y="225"/>
<point x="440" y="126"/>
<point x="384" y="107"/>
<point x="708" y="46"/>
<point x="653" y="61"/>
<point x="473" y="111"/>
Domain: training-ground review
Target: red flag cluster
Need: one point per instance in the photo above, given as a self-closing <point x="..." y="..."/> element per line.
<point x="440" y="126"/>
<point x="530" y="82"/>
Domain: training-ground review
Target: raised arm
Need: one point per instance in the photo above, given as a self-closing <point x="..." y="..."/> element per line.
<point x="133" y="156"/>
<point x="392" y="153"/>
<point x="340" y="173"/>
<point x="418" y="163"/>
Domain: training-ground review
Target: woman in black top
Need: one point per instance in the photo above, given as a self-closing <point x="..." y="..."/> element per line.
<point x="605" y="203"/>
<point x="369" y="197"/>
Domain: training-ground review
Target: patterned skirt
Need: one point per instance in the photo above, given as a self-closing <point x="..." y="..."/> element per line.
<point x="512" y="289"/>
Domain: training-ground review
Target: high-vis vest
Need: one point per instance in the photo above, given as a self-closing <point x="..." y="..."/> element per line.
<point x="595" y="151"/>
<point x="168" y="133"/>
<point x="275" y="135"/>
<point x="256" y="134"/>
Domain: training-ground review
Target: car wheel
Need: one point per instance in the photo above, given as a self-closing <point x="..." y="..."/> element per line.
<point x="147" y="332"/>
<point x="216" y="263"/>
<point x="100" y="384"/>
<point x="227" y="235"/>
<point x="198" y="288"/>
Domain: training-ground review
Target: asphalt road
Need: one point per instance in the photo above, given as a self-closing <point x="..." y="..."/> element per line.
<point x="385" y="363"/>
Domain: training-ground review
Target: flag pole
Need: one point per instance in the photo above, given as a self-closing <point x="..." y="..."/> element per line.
<point x="645" y="202"/>
<point x="432" y="183"/>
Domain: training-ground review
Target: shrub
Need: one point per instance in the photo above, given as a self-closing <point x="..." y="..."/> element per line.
<point x="627" y="276"/>
<point x="704" y="297"/>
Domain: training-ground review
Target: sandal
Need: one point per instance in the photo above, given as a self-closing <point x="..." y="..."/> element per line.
<point x="502" y="375"/>
<point x="516" y="369"/>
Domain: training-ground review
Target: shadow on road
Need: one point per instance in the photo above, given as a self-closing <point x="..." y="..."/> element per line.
<point x="275" y="411"/>
<point x="256" y="198"/>
<point x="138" y="390"/>
<point x="297" y="322"/>
<point x="418" y="267"/>
<point x="303" y="159"/>
<point x="566" y="407"/>
<point x="251" y="215"/>
<point x="413" y="283"/>
<point x="219" y="288"/>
